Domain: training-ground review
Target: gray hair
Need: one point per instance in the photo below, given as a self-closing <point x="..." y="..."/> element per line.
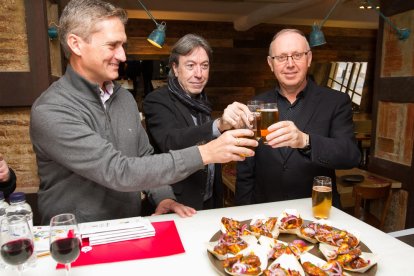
<point x="283" y="31"/>
<point x="80" y="17"/>
<point x="184" y="46"/>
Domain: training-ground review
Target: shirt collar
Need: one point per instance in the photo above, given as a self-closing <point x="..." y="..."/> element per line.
<point x="109" y="88"/>
<point x="299" y="96"/>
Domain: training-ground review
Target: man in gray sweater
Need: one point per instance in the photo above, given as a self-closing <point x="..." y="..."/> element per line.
<point x="92" y="153"/>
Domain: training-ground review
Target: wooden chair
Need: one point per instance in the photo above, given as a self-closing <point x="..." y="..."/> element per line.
<point x="363" y="195"/>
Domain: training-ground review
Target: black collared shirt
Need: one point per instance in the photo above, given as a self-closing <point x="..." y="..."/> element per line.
<point x="290" y="111"/>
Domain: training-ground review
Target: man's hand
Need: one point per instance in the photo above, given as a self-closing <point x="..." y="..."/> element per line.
<point x="236" y="115"/>
<point x="169" y="205"/>
<point x="286" y="134"/>
<point x="230" y="146"/>
<point x="4" y="170"/>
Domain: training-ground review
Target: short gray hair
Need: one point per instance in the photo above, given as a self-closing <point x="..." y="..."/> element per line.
<point x="184" y="46"/>
<point x="79" y="17"/>
<point x="283" y="31"/>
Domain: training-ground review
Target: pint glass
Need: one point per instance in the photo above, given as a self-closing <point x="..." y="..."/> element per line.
<point x="269" y="115"/>
<point x="254" y="106"/>
<point x="321" y="197"/>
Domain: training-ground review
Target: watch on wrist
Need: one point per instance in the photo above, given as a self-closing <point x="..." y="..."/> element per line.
<point x="307" y="148"/>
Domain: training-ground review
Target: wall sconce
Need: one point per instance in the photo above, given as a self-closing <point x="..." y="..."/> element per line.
<point x="403" y="33"/>
<point x="316" y="36"/>
<point x="52" y="31"/>
<point x="157" y="37"/>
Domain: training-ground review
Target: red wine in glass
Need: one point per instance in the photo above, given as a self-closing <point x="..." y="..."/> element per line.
<point x="65" y="241"/>
<point x="17" y="252"/>
<point x="65" y="250"/>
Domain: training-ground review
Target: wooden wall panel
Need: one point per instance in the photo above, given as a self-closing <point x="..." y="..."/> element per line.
<point x="393" y="90"/>
<point x="22" y="88"/>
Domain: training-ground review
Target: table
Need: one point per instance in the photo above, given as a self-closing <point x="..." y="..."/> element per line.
<point x="396" y="215"/>
<point x="396" y="257"/>
<point x="406" y="235"/>
<point x="370" y="179"/>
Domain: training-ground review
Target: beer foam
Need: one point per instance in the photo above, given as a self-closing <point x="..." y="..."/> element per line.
<point x="269" y="110"/>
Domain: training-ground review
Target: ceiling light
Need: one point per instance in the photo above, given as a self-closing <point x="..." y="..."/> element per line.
<point x="316" y="37"/>
<point x="157" y="37"/>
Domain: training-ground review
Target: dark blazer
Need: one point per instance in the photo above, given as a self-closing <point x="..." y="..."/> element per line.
<point x="8" y="187"/>
<point x="171" y="127"/>
<point x="274" y="175"/>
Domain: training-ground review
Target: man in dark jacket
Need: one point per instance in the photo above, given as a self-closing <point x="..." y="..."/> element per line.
<point x="7" y="178"/>
<point x="179" y="116"/>
<point x="314" y="135"/>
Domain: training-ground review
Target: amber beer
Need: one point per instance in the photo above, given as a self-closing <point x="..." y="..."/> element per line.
<point x="253" y="127"/>
<point x="321" y="197"/>
<point x="256" y="125"/>
<point x="269" y="116"/>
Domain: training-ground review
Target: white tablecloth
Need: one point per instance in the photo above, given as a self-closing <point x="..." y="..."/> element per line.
<point x="395" y="257"/>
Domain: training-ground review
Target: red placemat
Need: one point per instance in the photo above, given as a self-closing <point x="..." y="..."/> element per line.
<point x="151" y="247"/>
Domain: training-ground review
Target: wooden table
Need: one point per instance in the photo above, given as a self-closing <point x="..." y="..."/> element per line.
<point x="397" y="212"/>
<point x="370" y="180"/>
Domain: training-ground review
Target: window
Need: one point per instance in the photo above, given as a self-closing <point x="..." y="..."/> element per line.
<point x="348" y="77"/>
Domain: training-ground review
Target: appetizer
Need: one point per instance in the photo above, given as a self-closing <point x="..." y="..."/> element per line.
<point x="243" y="265"/>
<point x="285" y="265"/>
<point x="290" y="221"/>
<point x="229" y="245"/>
<point x="263" y="226"/>
<point x="315" y="266"/>
<point x="350" y="259"/>
<point x="251" y="261"/>
<point x="234" y="227"/>
<point x="337" y="237"/>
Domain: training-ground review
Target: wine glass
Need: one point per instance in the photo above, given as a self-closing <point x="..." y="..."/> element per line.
<point x="16" y="241"/>
<point x="65" y="241"/>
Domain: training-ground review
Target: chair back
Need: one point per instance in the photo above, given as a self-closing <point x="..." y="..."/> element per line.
<point x="363" y="193"/>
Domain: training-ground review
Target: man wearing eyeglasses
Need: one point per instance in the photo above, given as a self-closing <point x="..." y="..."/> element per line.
<point x="314" y="135"/>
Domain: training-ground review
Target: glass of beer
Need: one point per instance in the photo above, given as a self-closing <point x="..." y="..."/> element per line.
<point x="269" y="115"/>
<point x="252" y="127"/>
<point x="254" y="105"/>
<point x="321" y="197"/>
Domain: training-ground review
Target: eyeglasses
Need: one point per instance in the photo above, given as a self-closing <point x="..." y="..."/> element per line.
<point x="294" y="56"/>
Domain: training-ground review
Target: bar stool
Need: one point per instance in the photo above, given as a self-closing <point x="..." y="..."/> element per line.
<point x="363" y="195"/>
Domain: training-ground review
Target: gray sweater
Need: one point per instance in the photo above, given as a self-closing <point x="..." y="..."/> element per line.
<point x="94" y="161"/>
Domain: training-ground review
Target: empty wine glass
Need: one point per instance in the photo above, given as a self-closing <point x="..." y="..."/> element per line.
<point x="65" y="241"/>
<point x="16" y="241"/>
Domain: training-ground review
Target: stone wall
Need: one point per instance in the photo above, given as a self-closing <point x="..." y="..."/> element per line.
<point x="14" y="53"/>
<point x="16" y="147"/>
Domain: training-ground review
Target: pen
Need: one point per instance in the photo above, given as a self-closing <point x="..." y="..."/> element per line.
<point x="43" y="254"/>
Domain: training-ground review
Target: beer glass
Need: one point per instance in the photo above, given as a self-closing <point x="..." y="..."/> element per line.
<point x="321" y="197"/>
<point x="254" y="107"/>
<point x="269" y="115"/>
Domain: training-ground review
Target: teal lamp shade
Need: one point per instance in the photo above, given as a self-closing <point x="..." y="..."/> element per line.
<point x="157" y="37"/>
<point x="316" y="37"/>
<point x="52" y="32"/>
